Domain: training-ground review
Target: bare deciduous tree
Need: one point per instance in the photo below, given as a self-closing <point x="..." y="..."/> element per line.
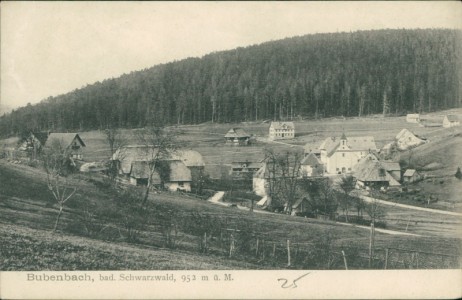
<point x="116" y="141"/>
<point x="58" y="165"/>
<point x="347" y="185"/>
<point x="283" y="176"/>
<point x="160" y="144"/>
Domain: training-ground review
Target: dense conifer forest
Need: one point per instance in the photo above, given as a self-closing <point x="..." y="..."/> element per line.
<point x="320" y="75"/>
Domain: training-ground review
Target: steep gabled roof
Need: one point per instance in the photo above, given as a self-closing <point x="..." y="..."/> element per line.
<point x="405" y="133"/>
<point x="64" y="138"/>
<point x="237" y="133"/>
<point x="282" y="125"/>
<point x="310" y="160"/>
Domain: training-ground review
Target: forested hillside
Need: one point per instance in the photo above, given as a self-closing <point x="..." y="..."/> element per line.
<point x="349" y="74"/>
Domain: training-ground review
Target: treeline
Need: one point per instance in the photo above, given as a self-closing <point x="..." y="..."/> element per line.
<point x="335" y="74"/>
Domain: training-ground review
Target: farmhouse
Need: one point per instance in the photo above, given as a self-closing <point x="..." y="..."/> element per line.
<point x="243" y="170"/>
<point x="128" y="154"/>
<point x="371" y="173"/>
<point x="179" y="177"/>
<point x="411" y="176"/>
<point x="69" y="141"/>
<point x="34" y="143"/>
<point x="281" y="131"/>
<point x="413" y="118"/>
<point x="405" y="139"/>
<point x="340" y="155"/>
<point x="451" y="121"/>
<point x="311" y="166"/>
<point x="133" y="166"/>
<point x="192" y="159"/>
<point x="237" y="136"/>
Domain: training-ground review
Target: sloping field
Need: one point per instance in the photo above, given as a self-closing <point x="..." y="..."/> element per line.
<point x="27" y="249"/>
<point x="24" y="210"/>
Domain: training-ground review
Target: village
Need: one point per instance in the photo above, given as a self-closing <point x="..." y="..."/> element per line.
<point x="387" y="182"/>
<point x="371" y="168"/>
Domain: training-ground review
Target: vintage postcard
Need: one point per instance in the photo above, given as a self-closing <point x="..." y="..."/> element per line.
<point x="231" y="150"/>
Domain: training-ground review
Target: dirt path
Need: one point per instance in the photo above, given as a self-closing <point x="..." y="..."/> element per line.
<point x="444" y="212"/>
<point x="216" y="199"/>
<point x="265" y="140"/>
<point x="387" y="231"/>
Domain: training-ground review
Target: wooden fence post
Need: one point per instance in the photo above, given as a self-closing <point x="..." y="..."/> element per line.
<point x="256" y="248"/>
<point x="231" y="246"/>
<point x="386" y="259"/>
<point x="274" y="249"/>
<point x="288" y="253"/>
<point x="345" y="260"/>
<point x="205" y="242"/>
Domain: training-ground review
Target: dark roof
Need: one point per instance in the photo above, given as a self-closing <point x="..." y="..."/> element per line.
<point x="237" y="133"/>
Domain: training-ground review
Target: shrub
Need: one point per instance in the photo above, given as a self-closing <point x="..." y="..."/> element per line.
<point x="458" y="173"/>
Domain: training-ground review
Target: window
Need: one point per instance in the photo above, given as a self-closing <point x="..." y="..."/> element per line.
<point x="337" y="169"/>
<point x="181" y="184"/>
<point x="343" y="154"/>
<point x="349" y="169"/>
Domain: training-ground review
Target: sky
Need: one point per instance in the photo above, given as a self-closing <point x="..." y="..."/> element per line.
<point x="51" y="48"/>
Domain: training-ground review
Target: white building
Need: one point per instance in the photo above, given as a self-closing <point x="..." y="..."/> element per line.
<point x="413" y="118"/>
<point x="405" y="139"/>
<point x="281" y="131"/>
<point x="341" y="155"/>
<point x="451" y="121"/>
